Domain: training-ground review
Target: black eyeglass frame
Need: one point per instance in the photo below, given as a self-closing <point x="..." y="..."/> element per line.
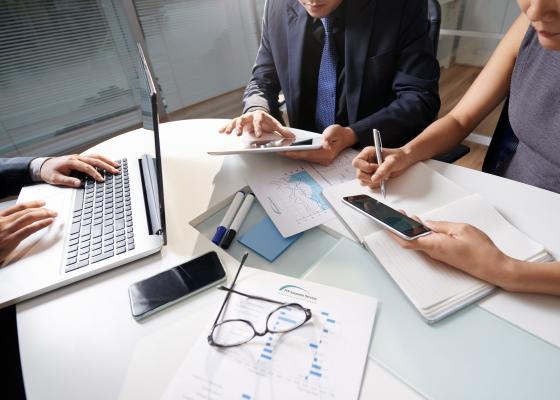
<point x="230" y="290"/>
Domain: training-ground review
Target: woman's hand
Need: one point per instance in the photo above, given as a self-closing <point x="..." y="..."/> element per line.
<point x="464" y="247"/>
<point x="370" y="173"/>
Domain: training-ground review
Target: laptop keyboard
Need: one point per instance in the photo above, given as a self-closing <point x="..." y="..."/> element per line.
<point x="101" y="221"/>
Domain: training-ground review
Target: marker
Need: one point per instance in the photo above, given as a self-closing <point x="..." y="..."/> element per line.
<point x="238" y="220"/>
<point x="228" y="218"/>
<point x="379" y="155"/>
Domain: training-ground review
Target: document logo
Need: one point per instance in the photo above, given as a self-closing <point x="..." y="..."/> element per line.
<point x="297" y="293"/>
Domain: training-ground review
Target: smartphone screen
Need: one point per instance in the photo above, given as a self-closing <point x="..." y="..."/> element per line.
<point x="387" y="216"/>
<point x="170" y="286"/>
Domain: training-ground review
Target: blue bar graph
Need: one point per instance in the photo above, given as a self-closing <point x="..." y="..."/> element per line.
<point x="245" y="396"/>
<point x="291" y="321"/>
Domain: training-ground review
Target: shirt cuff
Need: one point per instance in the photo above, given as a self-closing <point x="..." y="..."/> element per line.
<point x="35" y="168"/>
<point x="257" y="108"/>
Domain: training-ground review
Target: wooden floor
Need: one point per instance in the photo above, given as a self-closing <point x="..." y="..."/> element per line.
<point x="454" y="82"/>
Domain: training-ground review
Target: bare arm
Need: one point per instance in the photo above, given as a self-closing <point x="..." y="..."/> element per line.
<point x="534" y="277"/>
<point x="469" y="249"/>
<point x="487" y="91"/>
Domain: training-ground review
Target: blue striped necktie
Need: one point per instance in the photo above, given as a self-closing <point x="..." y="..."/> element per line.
<point x="325" y="108"/>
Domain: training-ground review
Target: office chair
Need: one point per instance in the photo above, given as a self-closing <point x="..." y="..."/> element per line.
<point x="434" y="21"/>
<point x="502" y="146"/>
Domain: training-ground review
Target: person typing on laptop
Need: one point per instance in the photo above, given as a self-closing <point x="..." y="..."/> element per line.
<point x="22" y="220"/>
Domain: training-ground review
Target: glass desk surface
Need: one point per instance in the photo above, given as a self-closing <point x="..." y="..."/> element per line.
<point x="472" y="354"/>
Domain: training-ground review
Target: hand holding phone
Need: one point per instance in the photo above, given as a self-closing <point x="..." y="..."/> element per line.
<point x="401" y="225"/>
<point x="169" y="287"/>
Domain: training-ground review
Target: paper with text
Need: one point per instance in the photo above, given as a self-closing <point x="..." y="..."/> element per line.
<point x="324" y="359"/>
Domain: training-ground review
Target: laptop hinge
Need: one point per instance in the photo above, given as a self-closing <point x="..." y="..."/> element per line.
<point x="151" y="197"/>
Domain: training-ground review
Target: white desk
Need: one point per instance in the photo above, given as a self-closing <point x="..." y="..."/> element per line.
<point x="81" y="341"/>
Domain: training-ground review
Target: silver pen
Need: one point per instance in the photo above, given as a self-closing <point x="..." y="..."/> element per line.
<point x="378" y="153"/>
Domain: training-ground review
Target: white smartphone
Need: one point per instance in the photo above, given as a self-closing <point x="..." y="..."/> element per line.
<point x="169" y="287"/>
<point x="401" y="225"/>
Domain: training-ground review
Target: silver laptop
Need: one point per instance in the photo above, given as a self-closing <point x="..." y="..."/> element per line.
<point x="100" y="226"/>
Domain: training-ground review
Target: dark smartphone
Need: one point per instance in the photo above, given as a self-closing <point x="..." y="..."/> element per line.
<point x="169" y="287"/>
<point x="398" y="223"/>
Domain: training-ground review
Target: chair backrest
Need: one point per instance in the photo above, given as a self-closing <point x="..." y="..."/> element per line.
<point x="502" y="146"/>
<point x="434" y="20"/>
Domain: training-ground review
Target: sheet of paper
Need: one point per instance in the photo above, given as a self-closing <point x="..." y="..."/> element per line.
<point x="323" y="359"/>
<point x="291" y="196"/>
<point x="340" y="170"/>
<point x="418" y="190"/>
<point x="537" y="314"/>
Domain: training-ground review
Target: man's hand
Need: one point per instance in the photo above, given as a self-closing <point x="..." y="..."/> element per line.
<point x="256" y="123"/>
<point x="21" y="221"/>
<point x="56" y="170"/>
<point x="335" y="139"/>
<point x="370" y="173"/>
<point x="464" y="247"/>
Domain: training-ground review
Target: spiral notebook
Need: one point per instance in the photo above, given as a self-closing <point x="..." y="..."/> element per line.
<point x="435" y="289"/>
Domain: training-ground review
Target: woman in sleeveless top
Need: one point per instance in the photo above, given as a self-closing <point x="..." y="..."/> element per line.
<point x="526" y="64"/>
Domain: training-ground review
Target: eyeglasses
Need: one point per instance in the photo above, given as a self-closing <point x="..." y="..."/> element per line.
<point x="234" y="332"/>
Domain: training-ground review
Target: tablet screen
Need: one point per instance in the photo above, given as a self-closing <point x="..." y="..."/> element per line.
<point x="284" y="142"/>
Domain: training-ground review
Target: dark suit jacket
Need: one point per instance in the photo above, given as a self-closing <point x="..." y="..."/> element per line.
<point x="391" y="70"/>
<point x="14" y="173"/>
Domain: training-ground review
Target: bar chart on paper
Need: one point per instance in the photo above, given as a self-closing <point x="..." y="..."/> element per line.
<point x="324" y="359"/>
<point x="292" y="198"/>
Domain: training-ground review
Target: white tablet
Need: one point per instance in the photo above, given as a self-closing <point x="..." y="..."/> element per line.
<point x="269" y="143"/>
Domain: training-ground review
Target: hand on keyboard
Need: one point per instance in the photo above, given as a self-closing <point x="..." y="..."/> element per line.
<point x="58" y="170"/>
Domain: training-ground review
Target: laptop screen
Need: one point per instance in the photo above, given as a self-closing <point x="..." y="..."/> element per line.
<point x="148" y="106"/>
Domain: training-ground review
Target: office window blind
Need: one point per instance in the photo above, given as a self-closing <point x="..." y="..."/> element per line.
<point x="198" y="48"/>
<point x="65" y="75"/>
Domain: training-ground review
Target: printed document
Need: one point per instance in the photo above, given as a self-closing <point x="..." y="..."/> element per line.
<point x="323" y="359"/>
<point x="291" y="196"/>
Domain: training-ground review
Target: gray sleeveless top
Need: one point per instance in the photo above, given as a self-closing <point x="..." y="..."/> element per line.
<point x="534" y="113"/>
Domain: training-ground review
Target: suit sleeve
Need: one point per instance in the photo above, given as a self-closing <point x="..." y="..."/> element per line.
<point x="415" y="85"/>
<point x="14" y="173"/>
<point x="263" y="88"/>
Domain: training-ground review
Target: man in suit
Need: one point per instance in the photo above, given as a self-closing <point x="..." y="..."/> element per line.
<point x="345" y="67"/>
<point x="22" y="220"/>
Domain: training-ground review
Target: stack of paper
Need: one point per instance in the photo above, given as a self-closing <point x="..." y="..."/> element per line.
<point x="435" y="289"/>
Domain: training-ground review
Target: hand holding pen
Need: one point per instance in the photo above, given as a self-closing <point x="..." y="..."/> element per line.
<point x="372" y="173"/>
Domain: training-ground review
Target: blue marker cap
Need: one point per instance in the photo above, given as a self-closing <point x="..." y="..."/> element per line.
<point x="228" y="217"/>
<point x="220" y="231"/>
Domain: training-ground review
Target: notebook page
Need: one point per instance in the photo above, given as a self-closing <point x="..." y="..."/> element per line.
<point x="418" y="190"/>
<point x="477" y="211"/>
<point x="426" y="282"/>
